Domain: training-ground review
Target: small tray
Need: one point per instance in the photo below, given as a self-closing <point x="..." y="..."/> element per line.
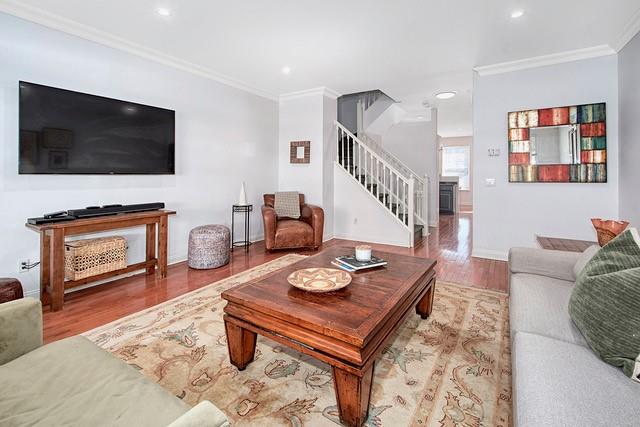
<point x="319" y="280"/>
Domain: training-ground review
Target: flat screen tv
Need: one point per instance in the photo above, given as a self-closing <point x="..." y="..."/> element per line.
<point x="66" y="132"/>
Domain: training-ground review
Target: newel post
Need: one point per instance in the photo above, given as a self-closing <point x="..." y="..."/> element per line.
<point x="425" y="200"/>
<point x="411" y="196"/>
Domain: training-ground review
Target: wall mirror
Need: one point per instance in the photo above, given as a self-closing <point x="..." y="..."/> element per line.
<point x="564" y="144"/>
<point x="555" y="145"/>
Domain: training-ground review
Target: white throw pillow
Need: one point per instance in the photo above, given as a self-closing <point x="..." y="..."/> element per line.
<point x="585" y="257"/>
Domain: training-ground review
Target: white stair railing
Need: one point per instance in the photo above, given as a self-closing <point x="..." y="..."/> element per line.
<point x="420" y="196"/>
<point x="394" y="190"/>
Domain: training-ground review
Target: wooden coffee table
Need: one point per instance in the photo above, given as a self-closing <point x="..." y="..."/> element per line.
<point x="347" y="329"/>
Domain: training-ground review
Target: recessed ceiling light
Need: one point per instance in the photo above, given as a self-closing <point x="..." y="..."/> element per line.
<point x="420" y="117"/>
<point x="446" y="95"/>
<point x="163" y="11"/>
<point x="517" y="13"/>
<point x="286" y="70"/>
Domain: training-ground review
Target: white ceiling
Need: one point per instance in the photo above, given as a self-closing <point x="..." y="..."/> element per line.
<point x="410" y="49"/>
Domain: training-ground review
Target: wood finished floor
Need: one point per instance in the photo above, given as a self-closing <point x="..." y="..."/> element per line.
<point x="84" y="310"/>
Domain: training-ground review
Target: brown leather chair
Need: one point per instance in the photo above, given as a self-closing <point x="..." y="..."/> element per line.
<point x="288" y="233"/>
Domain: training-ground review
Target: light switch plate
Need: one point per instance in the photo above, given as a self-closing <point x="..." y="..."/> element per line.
<point x="494" y="152"/>
<point x="490" y="182"/>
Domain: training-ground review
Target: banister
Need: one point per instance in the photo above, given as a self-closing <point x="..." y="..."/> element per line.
<point x="366" y="147"/>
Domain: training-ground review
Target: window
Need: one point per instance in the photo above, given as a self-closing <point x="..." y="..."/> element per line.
<point x="455" y="162"/>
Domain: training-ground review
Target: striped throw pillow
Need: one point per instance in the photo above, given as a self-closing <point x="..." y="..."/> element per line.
<point x="605" y="303"/>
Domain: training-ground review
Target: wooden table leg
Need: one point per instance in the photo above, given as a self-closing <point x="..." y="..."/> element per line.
<point x="162" y="246"/>
<point x="151" y="246"/>
<point x="241" y="343"/>
<point x="353" y="394"/>
<point x="425" y="305"/>
<point x="45" y="266"/>
<point x="56" y="273"/>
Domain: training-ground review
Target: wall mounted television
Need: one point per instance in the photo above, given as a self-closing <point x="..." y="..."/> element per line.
<point x="66" y="132"/>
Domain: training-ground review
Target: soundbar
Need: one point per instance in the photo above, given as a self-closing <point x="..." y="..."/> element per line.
<point x="94" y="211"/>
<point x="114" y="209"/>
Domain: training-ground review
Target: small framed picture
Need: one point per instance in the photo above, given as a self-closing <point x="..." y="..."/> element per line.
<point x="300" y="152"/>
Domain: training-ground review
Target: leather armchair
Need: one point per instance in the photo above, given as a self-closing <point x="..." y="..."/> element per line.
<point x="288" y="233"/>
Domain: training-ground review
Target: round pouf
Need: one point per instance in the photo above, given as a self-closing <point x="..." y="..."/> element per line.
<point x="209" y="246"/>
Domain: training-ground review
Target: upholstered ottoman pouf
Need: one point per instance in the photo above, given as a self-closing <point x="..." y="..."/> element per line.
<point x="209" y="246"/>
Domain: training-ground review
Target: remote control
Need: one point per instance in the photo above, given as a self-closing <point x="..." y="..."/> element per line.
<point x="55" y="214"/>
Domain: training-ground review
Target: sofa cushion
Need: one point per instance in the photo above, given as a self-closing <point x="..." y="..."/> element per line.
<point x="292" y="233"/>
<point x="585" y="257"/>
<point x="539" y="305"/>
<point x="561" y="384"/>
<point x="605" y="303"/>
<point x="73" y="382"/>
<point x="20" y="328"/>
<point x="543" y="262"/>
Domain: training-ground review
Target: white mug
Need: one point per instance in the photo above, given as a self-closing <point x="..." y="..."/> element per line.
<point x="363" y="253"/>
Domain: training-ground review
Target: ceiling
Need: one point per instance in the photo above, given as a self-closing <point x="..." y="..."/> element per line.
<point x="410" y="49"/>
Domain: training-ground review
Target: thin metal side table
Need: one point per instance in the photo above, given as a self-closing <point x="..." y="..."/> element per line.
<point x="246" y="210"/>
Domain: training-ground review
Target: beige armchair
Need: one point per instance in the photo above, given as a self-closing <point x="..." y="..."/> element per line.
<point x="73" y="382"/>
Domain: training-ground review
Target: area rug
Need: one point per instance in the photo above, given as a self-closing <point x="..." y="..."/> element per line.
<point x="450" y="370"/>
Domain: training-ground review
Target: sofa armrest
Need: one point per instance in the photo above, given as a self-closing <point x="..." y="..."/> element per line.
<point x="20" y="328"/>
<point x="269" y="219"/>
<point x="204" y="414"/>
<point x="314" y="216"/>
<point x="543" y="262"/>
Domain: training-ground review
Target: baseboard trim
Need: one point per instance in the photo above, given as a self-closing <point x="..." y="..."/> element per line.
<point x="377" y="242"/>
<point x="490" y="254"/>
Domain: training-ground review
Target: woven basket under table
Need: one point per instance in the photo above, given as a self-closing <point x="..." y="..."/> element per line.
<point x="90" y="257"/>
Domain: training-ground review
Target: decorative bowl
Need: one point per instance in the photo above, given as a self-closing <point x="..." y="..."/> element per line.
<point x="608" y="230"/>
<point x="319" y="279"/>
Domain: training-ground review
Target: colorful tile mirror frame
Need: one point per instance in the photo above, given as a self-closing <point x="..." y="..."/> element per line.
<point x="564" y="144"/>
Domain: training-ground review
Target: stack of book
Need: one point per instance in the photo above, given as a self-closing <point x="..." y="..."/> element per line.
<point x="351" y="264"/>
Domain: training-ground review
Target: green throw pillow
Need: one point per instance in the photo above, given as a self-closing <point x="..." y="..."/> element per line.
<point x="605" y="303"/>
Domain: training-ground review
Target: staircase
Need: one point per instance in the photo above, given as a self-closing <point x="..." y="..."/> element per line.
<point x="398" y="190"/>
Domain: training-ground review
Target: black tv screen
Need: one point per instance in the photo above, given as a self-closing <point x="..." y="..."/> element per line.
<point x="66" y="132"/>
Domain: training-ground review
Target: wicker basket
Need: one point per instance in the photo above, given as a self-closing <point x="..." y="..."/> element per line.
<point x="90" y="257"/>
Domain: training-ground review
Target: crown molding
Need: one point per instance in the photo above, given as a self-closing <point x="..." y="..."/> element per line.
<point x="541" y="61"/>
<point x="325" y="91"/>
<point x="75" y="28"/>
<point x="629" y="32"/>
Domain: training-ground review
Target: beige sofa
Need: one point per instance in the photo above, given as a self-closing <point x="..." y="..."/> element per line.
<point x="557" y="379"/>
<point x="73" y="382"/>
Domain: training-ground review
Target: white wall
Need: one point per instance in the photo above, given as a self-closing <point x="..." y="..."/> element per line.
<point x="359" y="216"/>
<point x="466" y="196"/>
<point x="629" y="68"/>
<point x="416" y="145"/>
<point x="309" y="117"/>
<point x="301" y="120"/>
<point x="329" y="116"/>
<point x="510" y="215"/>
<point x="223" y="136"/>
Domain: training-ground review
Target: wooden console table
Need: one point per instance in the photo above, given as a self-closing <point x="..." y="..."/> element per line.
<point x="52" y="283"/>
<point x="558" y="244"/>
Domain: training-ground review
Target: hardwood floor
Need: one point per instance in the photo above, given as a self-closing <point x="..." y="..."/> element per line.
<point x="450" y="245"/>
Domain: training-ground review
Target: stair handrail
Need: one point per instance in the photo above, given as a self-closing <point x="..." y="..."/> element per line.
<point x="385" y="162"/>
<point x="419" y="189"/>
<point x="401" y="197"/>
<point x="367" y="140"/>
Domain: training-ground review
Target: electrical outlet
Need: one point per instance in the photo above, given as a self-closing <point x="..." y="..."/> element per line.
<point x="23" y="265"/>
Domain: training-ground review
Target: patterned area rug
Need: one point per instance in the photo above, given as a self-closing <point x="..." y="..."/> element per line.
<point x="450" y="370"/>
